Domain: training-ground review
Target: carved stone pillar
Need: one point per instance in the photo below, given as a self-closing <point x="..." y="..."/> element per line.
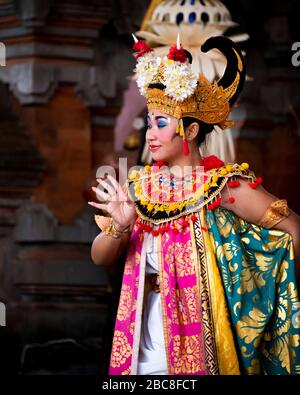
<point x="51" y="73"/>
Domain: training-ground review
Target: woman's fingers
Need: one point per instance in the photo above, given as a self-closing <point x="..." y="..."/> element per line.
<point x="118" y="188"/>
<point x="100" y="206"/>
<point x="103" y="195"/>
<point x="110" y="190"/>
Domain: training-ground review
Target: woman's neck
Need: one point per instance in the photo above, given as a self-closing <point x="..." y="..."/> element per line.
<point x="178" y="165"/>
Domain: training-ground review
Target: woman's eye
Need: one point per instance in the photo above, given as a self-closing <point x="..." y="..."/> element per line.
<point x="161" y="124"/>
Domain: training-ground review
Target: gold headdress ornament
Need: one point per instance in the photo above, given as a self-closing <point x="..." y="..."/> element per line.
<point x="170" y="85"/>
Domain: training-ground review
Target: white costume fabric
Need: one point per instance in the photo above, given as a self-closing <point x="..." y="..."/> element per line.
<point x="152" y="354"/>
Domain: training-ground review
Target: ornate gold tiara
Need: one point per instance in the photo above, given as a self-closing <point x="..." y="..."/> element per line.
<point x="170" y="85"/>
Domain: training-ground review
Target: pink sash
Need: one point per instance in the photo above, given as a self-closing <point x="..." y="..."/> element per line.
<point x="184" y="314"/>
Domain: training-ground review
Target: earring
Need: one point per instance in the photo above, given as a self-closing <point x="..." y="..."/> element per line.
<point x="180" y="131"/>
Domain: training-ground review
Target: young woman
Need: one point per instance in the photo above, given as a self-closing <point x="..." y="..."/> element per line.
<point x="209" y="285"/>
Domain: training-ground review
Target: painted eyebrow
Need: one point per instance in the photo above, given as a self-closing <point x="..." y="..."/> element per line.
<point x="157" y="117"/>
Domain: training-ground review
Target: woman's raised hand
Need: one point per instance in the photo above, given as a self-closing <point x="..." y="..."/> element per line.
<point x="117" y="203"/>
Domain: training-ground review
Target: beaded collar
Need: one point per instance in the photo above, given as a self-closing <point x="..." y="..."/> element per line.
<point x="160" y="197"/>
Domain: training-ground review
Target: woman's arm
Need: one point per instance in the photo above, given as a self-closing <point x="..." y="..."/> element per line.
<point x="251" y="205"/>
<point x="106" y="250"/>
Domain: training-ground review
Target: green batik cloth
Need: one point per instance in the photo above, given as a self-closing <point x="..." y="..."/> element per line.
<point x="257" y="267"/>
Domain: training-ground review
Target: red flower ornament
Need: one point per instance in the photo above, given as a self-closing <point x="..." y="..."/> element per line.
<point x="211" y="162"/>
<point x="142" y="48"/>
<point x="176" y="54"/>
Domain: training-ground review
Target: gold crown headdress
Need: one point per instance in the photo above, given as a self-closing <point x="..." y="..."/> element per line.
<point x="170" y="85"/>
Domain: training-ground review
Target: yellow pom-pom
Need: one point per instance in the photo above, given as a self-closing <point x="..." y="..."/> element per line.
<point x="137" y="190"/>
<point x="147" y="168"/>
<point x="223" y="172"/>
<point x="245" y="166"/>
<point x="229" y="168"/>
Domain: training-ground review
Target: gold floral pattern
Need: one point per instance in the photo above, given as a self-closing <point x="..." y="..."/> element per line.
<point x="184" y="307"/>
<point x="259" y="280"/>
<point x="184" y="256"/>
<point x="282" y="336"/>
<point x="251" y="327"/>
<point x="121" y="349"/>
<point x="126" y="372"/>
<point x="255" y="274"/>
<point x="187" y="359"/>
<point x="131" y="328"/>
<point x="124" y="309"/>
<point x="129" y="263"/>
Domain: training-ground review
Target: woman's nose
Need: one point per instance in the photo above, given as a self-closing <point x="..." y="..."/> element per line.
<point x="151" y="134"/>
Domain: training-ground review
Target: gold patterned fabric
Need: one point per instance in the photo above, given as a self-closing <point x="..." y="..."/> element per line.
<point x="257" y="267"/>
<point x="227" y="287"/>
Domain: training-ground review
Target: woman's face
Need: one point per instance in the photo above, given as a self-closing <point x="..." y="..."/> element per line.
<point x="163" y="141"/>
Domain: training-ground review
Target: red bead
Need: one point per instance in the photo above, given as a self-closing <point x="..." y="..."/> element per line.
<point x="193" y="218"/>
<point x="237" y="183"/>
<point x="259" y="180"/>
<point x="185" y="223"/>
<point x="155" y="232"/>
<point x="147" y="228"/>
<point x="161" y="230"/>
<point x="231" y="184"/>
<point x="231" y="199"/>
<point x="253" y="185"/>
<point x="175" y="231"/>
<point x="167" y="228"/>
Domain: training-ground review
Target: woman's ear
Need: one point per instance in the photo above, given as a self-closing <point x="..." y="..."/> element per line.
<point x="192" y="132"/>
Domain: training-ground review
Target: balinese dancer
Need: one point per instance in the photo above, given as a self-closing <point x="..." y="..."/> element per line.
<point x="210" y="280"/>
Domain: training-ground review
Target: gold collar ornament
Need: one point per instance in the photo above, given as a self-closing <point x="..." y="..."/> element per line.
<point x="161" y="198"/>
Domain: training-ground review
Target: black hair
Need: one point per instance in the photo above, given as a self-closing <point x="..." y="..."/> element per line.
<point x="157" y="85"/>
<point x="189" y="56"/>
<point x="204" y="128"/>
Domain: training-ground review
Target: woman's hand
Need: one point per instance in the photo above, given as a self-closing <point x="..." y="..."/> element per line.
<point x="118" y="205"/>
